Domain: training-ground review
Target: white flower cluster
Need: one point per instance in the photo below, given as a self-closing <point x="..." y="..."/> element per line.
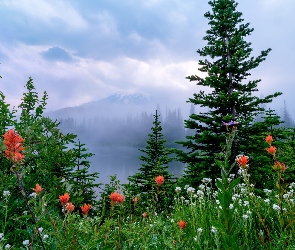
<point x="6" y="193"/>
<point x="190" y="190"/>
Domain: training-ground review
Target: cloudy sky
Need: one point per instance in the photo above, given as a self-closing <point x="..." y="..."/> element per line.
<point x="81" y="51"/>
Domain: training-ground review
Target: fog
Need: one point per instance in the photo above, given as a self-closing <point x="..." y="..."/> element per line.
<point x="115" y="128"/>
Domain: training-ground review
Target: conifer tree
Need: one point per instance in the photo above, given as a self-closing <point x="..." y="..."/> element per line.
<point x="155" y="162"/>
<point x="226" y="93"/>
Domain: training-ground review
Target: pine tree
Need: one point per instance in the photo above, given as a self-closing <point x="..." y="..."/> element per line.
<point x="155" y="163"/>
<point x="229" y="97"/>
<point x="288" y="122"/>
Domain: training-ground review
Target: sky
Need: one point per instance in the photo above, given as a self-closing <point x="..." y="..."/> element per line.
<point x="81" y="51"/>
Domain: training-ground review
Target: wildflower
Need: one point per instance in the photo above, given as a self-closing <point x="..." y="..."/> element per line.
<point x="85" y="209"/>
<point x="206" y="180"/>
<point x="7" y="246"/>
<point x="70" y="207"/>
<point x="269" y="139"/>
<point x="279" y="166"/>
<point x="271" y="150"/>
<point x="14" y="148"/>
<point x="120" y="198"/>
<point x="178" y="190"/>
<point x="200" y="193"/>
<point x="135" y="200"/>
<point x="6" y="193"/>
<point x="116" y="197"/>
<point x="266" y="200"/>
<point x="38" y="189"/>
<point x="1" y="236"/>
<point x="182" y="224"/>
<point x="159" y="180"/>
<point x="276" y="207"/>
<point x="45" y="236"/>
<point x="245" y="216"/>
<point x="34" y="195"/>
<point x="186" y="186"/>
<point x="242" y="160"/>
<point x="246" y="203"/>
<point x="26" y="242"/>
<point x="267" y="191"/>
<point x="40" y="229"/>
<point x="144" y="215"/>
<point x="213" y="230"/>
<point x="64" y="199"/>
<point x="190" y="190"/>
<point x="231" y="206"/>
<point x="199" y="230"/>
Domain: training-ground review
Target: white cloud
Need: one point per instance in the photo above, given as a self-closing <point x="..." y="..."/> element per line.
<point x="84" y="79"/>
<point x="48" y="12"/>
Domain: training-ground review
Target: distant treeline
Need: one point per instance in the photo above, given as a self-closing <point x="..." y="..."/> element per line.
<point x="130" y="131"/>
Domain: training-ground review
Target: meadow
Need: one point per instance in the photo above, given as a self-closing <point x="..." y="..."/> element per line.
<point x="225" y="213"/>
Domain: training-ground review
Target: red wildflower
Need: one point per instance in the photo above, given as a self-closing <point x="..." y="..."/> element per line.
<point x="271" y="150"/>
<point x="144" y="215"/>
<point x="38" y="189"/>
<point x="85" y="209"/>
<point x="64" y="199"/>
<point x="116" y="197"/>
<point x="70" y="207"/>
<point x="120" y="198"/>
<point x="135" y="200"/>
<point x="159" y="180"/>
<point x="182" y="224"/>
<point x="13" y="143"/>
<point x="242" y="161"/>
<point x="269" y="139"/>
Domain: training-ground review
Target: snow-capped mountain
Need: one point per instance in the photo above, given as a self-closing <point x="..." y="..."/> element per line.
<point x="136" y="99"/>
<point x="119" y="104"/>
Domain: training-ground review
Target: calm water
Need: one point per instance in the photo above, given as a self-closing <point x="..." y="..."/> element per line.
<point x="122" y="161"/>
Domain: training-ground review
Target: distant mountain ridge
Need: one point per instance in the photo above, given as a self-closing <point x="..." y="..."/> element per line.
<point x="119" y="104"/>
<point x="121" y="98"/>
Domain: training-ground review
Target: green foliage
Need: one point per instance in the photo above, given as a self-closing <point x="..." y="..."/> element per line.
<point x="52" y="159"/>
<point x="228" y="97"/>
<point x="155" y="162"/>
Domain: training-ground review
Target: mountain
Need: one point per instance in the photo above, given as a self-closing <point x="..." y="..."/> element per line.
<point x="116" y="105"/>
<point x="136" y="99"/>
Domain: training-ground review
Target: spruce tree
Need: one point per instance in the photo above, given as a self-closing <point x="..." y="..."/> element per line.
<point x="226" y="95"/>
<point x="155" y="162"/>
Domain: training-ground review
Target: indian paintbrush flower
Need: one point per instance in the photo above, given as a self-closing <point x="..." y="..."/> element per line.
<point x="271" y="150"/>
<point x="278" y="166"/>
<point x="70" y="207"/>
<point x="13" y="143"/>
<point x="38" y="189"/>
<point x="159" y="180"/>
<point x="242" y="160"/>
<point x="182" y="224"/>
<point x="269" y="139"/>
<point x="64" y="199"/>
<point x="85" y="209"/>
<point x="116" y="197"/>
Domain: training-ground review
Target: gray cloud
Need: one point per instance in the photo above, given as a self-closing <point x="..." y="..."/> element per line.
<point x="57" y="54"/>
<point x="137" y="46"/>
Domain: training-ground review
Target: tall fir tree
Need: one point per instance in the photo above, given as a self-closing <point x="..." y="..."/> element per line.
<point x="226" y="93"/>
<point x="155" y="162"/>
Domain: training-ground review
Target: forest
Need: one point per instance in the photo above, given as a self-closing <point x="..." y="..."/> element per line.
<point x="237" y="189"/>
